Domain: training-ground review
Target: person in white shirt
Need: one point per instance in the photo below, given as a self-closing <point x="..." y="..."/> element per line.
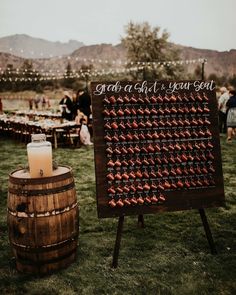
<point x="223" y="109"/>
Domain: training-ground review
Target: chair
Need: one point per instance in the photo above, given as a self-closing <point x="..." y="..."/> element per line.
<point x="72" y="135"/>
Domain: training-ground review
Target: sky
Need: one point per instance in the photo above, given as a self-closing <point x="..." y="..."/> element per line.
<point x="208" y="24"/>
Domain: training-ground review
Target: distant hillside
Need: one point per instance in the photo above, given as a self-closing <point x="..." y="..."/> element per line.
<point x="222" y="63"/>
<point x="219" y="63"/>
<point x="29" y="47"/>
<point x="6" y="58"/>
<point x="101" y="51"/>
<point x="76" y="59"/>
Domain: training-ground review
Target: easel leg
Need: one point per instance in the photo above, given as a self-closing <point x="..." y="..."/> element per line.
<point x="117" y="243"/>
<point x="207" y="231"/>
<point x="140" y="221"/>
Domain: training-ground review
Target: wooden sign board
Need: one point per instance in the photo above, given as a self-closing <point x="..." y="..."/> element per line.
<point x="156" y="147"/>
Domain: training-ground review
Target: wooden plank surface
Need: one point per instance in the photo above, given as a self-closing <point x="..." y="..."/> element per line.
<point x="156" y="147"/>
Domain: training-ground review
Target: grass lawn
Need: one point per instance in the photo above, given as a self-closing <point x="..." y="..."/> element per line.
<point x="169" y="256"/>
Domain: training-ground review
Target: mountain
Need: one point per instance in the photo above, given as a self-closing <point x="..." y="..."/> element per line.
<point x="29" y="47"/>
<point x="221" y="63"/>
<point x="82" y="56"/>
<point x="7" y="58"/>
<point x="101" y="51"/>
<point x="107" y="56"/>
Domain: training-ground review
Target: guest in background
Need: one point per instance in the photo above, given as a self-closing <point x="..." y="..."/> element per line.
<point x="82" y="120"/>
<point x="222" y="109"/>
<point x="83" y="102"/>
<point x="231" y="115"/>
<point x="66" y="106"/>
<point x="48" y="102"/>
<point x="43" y="102"/>
<point x="1" y="106"/>
<point x="74" y="96"/>
<point x="36" y="101"/>
<point x="31" y="101"/>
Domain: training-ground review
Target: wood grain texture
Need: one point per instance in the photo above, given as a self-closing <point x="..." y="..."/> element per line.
<point x="43" y="220"/>
<point x="191" y="105"/>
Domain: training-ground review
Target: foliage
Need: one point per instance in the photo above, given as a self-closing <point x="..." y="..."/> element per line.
<point x="148" y="45"/>
<point x="16" y="79"/>
<point x="198" y="72"/>
<point x="170" y="256"/>
<point x="84" y="71"/>
<point x="68" y="80"/>
<point x="232" y="81"/>
<point x="219" y="80"/>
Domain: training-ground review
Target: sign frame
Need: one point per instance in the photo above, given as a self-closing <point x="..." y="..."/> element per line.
<point x="188" y="94"/>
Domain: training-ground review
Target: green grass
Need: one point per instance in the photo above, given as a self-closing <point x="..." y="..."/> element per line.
<point x="169" y="256"/>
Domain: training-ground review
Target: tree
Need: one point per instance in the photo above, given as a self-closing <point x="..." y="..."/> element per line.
<point x="232" y="80"/>
<point x="28" y="76"/>
<point x="149" y="49"/>
<point x="8" y="78"/>
<point x="198" y="72"/>
<point x="23" y="78"/>
<point x="85" y="72"/>
<point x="215" y="78"/>
<point x="69" y="78"/>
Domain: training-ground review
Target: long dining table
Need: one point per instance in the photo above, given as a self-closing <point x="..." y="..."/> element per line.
<point x="21" y="127"/>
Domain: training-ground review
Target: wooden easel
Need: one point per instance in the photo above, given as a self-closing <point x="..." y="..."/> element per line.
<point x="141" y="224"/>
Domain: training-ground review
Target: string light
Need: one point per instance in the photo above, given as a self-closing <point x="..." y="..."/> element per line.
<point x="88" y="60"/>
<point x="94" y="73"/>
<point x="57" y="74"/>
<point x="200" y="60"/>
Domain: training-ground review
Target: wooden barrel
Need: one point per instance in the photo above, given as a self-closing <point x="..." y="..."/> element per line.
<point x="43" y="220"/>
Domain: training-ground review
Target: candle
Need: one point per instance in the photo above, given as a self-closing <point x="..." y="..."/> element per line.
<point x="39" y="156"/>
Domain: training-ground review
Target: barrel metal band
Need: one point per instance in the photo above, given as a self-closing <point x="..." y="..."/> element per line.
<point x="46" y="248"/>
<point x="42" y="214"/>
<point x="43" y="180"/>
<point x="41" y="192"/>
<point x="28" y="261"/>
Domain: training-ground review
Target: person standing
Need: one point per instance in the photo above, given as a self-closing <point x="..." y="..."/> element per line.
<point x="231" y="115"/>
<point x="83" y="131"/>
<point x="43" y="102"/>
<point x="36" y="101"/>
<point x="31" y="101"/>
<point x="48" y="104"/>
<point x="222" y="109"/>
<point x="74" y="101"/>
<point x="83" y="102"/>
<point x="1" y="106"/>
<point x="66" y="106"/>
